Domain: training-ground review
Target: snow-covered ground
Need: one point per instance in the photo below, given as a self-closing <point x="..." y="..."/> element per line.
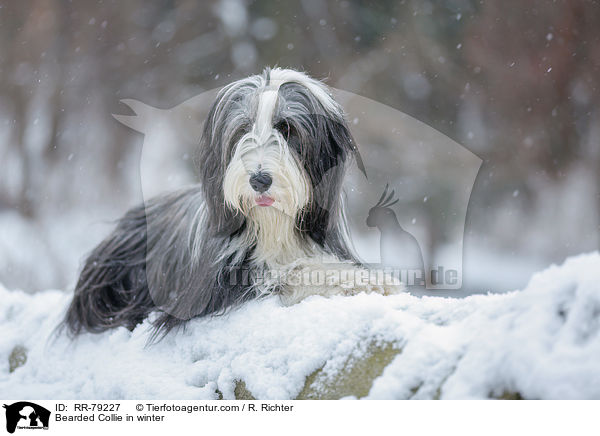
<point x="53" y="248"/>
<point x="541" y="342"/>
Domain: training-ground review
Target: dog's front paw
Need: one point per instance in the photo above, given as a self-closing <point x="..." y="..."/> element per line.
<point x="390" y="289"/>
<point x="386" y="285"/>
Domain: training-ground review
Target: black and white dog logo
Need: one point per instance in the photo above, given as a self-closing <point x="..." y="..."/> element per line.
<point x="26" y="415"/>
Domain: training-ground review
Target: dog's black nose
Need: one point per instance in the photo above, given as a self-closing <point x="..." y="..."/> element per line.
<point x="260" y="181"/>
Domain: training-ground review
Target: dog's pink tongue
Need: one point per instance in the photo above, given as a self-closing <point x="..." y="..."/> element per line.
<point x="264" y="200"/>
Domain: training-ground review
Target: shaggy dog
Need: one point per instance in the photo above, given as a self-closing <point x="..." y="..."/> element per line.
<point x="267" y="214"/>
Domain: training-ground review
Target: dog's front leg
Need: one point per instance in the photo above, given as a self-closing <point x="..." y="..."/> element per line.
<point x="335" y="279"/>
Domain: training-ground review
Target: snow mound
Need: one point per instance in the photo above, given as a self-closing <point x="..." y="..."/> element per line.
<point x="542" y="342"/>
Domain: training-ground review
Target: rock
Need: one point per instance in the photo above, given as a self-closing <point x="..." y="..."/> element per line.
<point x="17" y="358"/>
<point x="356" y="376"/>
<point x="241" y="392"/>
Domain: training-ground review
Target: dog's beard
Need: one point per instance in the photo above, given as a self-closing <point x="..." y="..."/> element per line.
<point x="272" y="229"/>
<point x="290" y="187"/>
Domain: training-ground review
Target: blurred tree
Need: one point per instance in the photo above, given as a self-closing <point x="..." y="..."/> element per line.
<point x="517" y="82"/>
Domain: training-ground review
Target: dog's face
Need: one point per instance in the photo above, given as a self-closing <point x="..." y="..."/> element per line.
<point x="264" y="169"/>
<point x="276" y="142"/>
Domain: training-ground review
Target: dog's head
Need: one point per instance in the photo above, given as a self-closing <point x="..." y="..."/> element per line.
<point x="279" y="142"/>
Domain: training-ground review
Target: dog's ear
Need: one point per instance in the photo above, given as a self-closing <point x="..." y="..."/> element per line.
<point x="210" y="160"/>
<point x="334" y="148"/>
<point x="340" y="136"/>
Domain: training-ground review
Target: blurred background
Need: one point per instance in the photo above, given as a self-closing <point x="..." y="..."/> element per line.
<point x="517" y="83"/>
